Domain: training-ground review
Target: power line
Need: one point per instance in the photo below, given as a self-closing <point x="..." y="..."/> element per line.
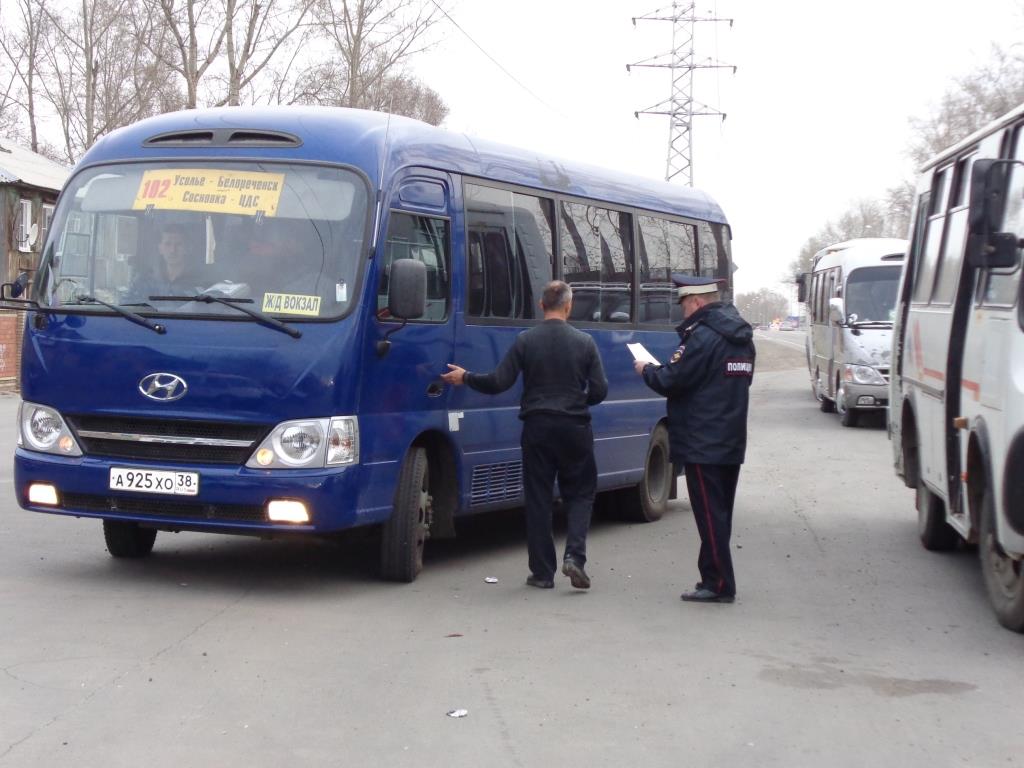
<point x="496" y="63"/>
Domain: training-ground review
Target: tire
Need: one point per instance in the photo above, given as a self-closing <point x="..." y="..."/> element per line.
<point x="935" y="533"/>
<point x="647" y="500"/>
<point x="826" y="405"/>
<point x="406" y="531"/>
<point x="848" y="417"/>
<point x="1004" y="577"/>
<point x="128" y="540"/>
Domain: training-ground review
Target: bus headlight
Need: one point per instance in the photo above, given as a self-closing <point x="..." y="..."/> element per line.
<point x="307" y="443"/>
<point x="41" y="428"/>
<point x="863" y="374"/>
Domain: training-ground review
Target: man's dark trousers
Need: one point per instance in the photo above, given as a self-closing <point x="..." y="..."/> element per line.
<point x="712" y="490"/>
<point x="563" y="447"/>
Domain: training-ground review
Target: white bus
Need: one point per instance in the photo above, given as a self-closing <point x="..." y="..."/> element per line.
<point x="956" y="416"/>
<point x="850" y="294"/>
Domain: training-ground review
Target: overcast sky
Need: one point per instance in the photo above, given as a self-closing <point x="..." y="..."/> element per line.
<point x="817" y="112"/>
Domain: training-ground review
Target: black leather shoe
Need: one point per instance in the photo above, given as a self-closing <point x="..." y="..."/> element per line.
<point x="704" y="595"/>
<point x="537" y="581"/>
<point x="577" y="576"/>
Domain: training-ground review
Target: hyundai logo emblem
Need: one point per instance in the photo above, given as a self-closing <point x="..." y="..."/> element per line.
<point x="163" y="387"/>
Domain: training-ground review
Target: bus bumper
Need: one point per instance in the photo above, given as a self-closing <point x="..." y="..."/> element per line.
<point x="867" y="397"/>
<point x="230" y="498"/>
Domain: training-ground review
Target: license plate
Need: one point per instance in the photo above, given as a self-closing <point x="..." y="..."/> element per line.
<point x="154" y="481"/>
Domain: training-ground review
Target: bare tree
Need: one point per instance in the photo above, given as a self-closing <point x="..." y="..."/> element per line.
<point x="374" y="39"/>
<point x="972" y="101"/>
<point x="188" y="39"/>
<point x="98" y="74"/>
<point x="762" y="306"/>
<point x="256" y="34"/>
<point x="21" y="47"/>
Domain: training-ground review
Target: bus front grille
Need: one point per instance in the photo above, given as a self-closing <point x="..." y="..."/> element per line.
<point x="129" y="505"/>
<point x="496" y="482"/>
<point x="205" y="442"/>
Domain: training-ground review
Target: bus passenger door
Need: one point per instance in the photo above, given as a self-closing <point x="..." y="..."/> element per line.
<point x="402" y="395"/>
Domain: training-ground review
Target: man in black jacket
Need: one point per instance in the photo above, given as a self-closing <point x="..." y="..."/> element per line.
<point x="707" y="383"/>
<point x="562" y="378"/>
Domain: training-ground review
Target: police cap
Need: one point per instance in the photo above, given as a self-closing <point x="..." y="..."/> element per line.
<point x="690" y="285"/>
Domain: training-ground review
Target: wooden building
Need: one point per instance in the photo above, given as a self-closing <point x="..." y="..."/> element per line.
<point x="29" y="184"/>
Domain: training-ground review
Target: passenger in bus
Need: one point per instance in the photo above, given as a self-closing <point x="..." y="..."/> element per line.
<point x="176" y="272"/>
<point x="707" y="383"/>
<point x="562" y="378"/>
<point x="280" y="259"/>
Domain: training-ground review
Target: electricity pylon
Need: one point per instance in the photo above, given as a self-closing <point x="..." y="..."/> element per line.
<point x="680" y="105"/>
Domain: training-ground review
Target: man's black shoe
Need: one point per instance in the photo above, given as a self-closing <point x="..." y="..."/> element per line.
<point x="537" y="581"/>
<point x="577" y="576"/>
<point x="704" y="595"/>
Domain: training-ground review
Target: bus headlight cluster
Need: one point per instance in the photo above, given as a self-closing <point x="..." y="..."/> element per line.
<point x="41" y="428"/>
<point x="863" y="374"/>
<point x="309" y="443"/>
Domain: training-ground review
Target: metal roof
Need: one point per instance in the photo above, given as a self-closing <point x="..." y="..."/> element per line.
<point x="18" y="164"/>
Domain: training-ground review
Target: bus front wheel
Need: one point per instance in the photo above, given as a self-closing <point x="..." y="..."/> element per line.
<point x="406" y="531"/>
<point x="847" y="415"/>
<point x="126" y="539"/>
<point x="1004" y="576"/>
<point x="647" y="500"/>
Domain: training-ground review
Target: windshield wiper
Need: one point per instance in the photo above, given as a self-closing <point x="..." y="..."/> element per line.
<point x="876" y="323"/>
<point x="83" y="298"/>
<point x="207" y="298"/>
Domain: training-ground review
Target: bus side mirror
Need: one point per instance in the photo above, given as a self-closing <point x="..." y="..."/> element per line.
<point x="407" y="289"/>
<point x="986" y="246"/>
<point x="836" y="311"/>
<point x="15" y="289"/>
<point x="801" y="287"/>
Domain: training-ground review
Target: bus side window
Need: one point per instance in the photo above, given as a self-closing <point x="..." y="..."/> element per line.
<point x="425" y="239"/>
<point x="511" y="254"/>
<point x="928" y="259"/>
<point x="666" y="248"/>
<point x="597" y="261"/>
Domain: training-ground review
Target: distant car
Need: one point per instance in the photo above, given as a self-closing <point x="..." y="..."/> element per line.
<point x="789" y="325"/>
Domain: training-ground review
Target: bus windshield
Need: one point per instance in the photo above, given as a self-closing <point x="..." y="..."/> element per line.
<point x="282" y="239"/>
<point x="871" y="294"/>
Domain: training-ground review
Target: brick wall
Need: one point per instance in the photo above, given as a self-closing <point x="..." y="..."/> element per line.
<point x="10" y="348"/>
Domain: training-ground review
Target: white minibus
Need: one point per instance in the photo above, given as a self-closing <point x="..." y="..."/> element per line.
<point x="850" y="294"/>
<point x="957" y="391"/>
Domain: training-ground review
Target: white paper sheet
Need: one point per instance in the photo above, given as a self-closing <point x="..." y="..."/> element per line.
<point x="640" y="353"/>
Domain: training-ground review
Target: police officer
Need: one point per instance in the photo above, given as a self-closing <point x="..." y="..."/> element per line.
<point x="562" y="378"/>
<point x="707" y="382"/>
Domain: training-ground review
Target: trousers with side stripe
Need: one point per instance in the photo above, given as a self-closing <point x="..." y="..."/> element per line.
<point x="712" y="491"/>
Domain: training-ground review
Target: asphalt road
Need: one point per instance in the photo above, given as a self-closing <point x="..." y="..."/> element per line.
<point x="849" y="645"/>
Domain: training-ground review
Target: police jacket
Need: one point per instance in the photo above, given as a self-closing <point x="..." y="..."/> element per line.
<point x="707" y="383"/>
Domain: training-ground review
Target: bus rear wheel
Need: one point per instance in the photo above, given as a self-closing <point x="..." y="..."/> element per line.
<point x="935" y="533"/>
<point x="128" y="540"/>
<point x="648" y="499"/>
<point x="406" y="531"/>
<point x="1004" y="576"/>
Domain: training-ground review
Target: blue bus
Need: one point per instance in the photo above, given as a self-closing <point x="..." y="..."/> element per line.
<point x="240" y="318"/>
